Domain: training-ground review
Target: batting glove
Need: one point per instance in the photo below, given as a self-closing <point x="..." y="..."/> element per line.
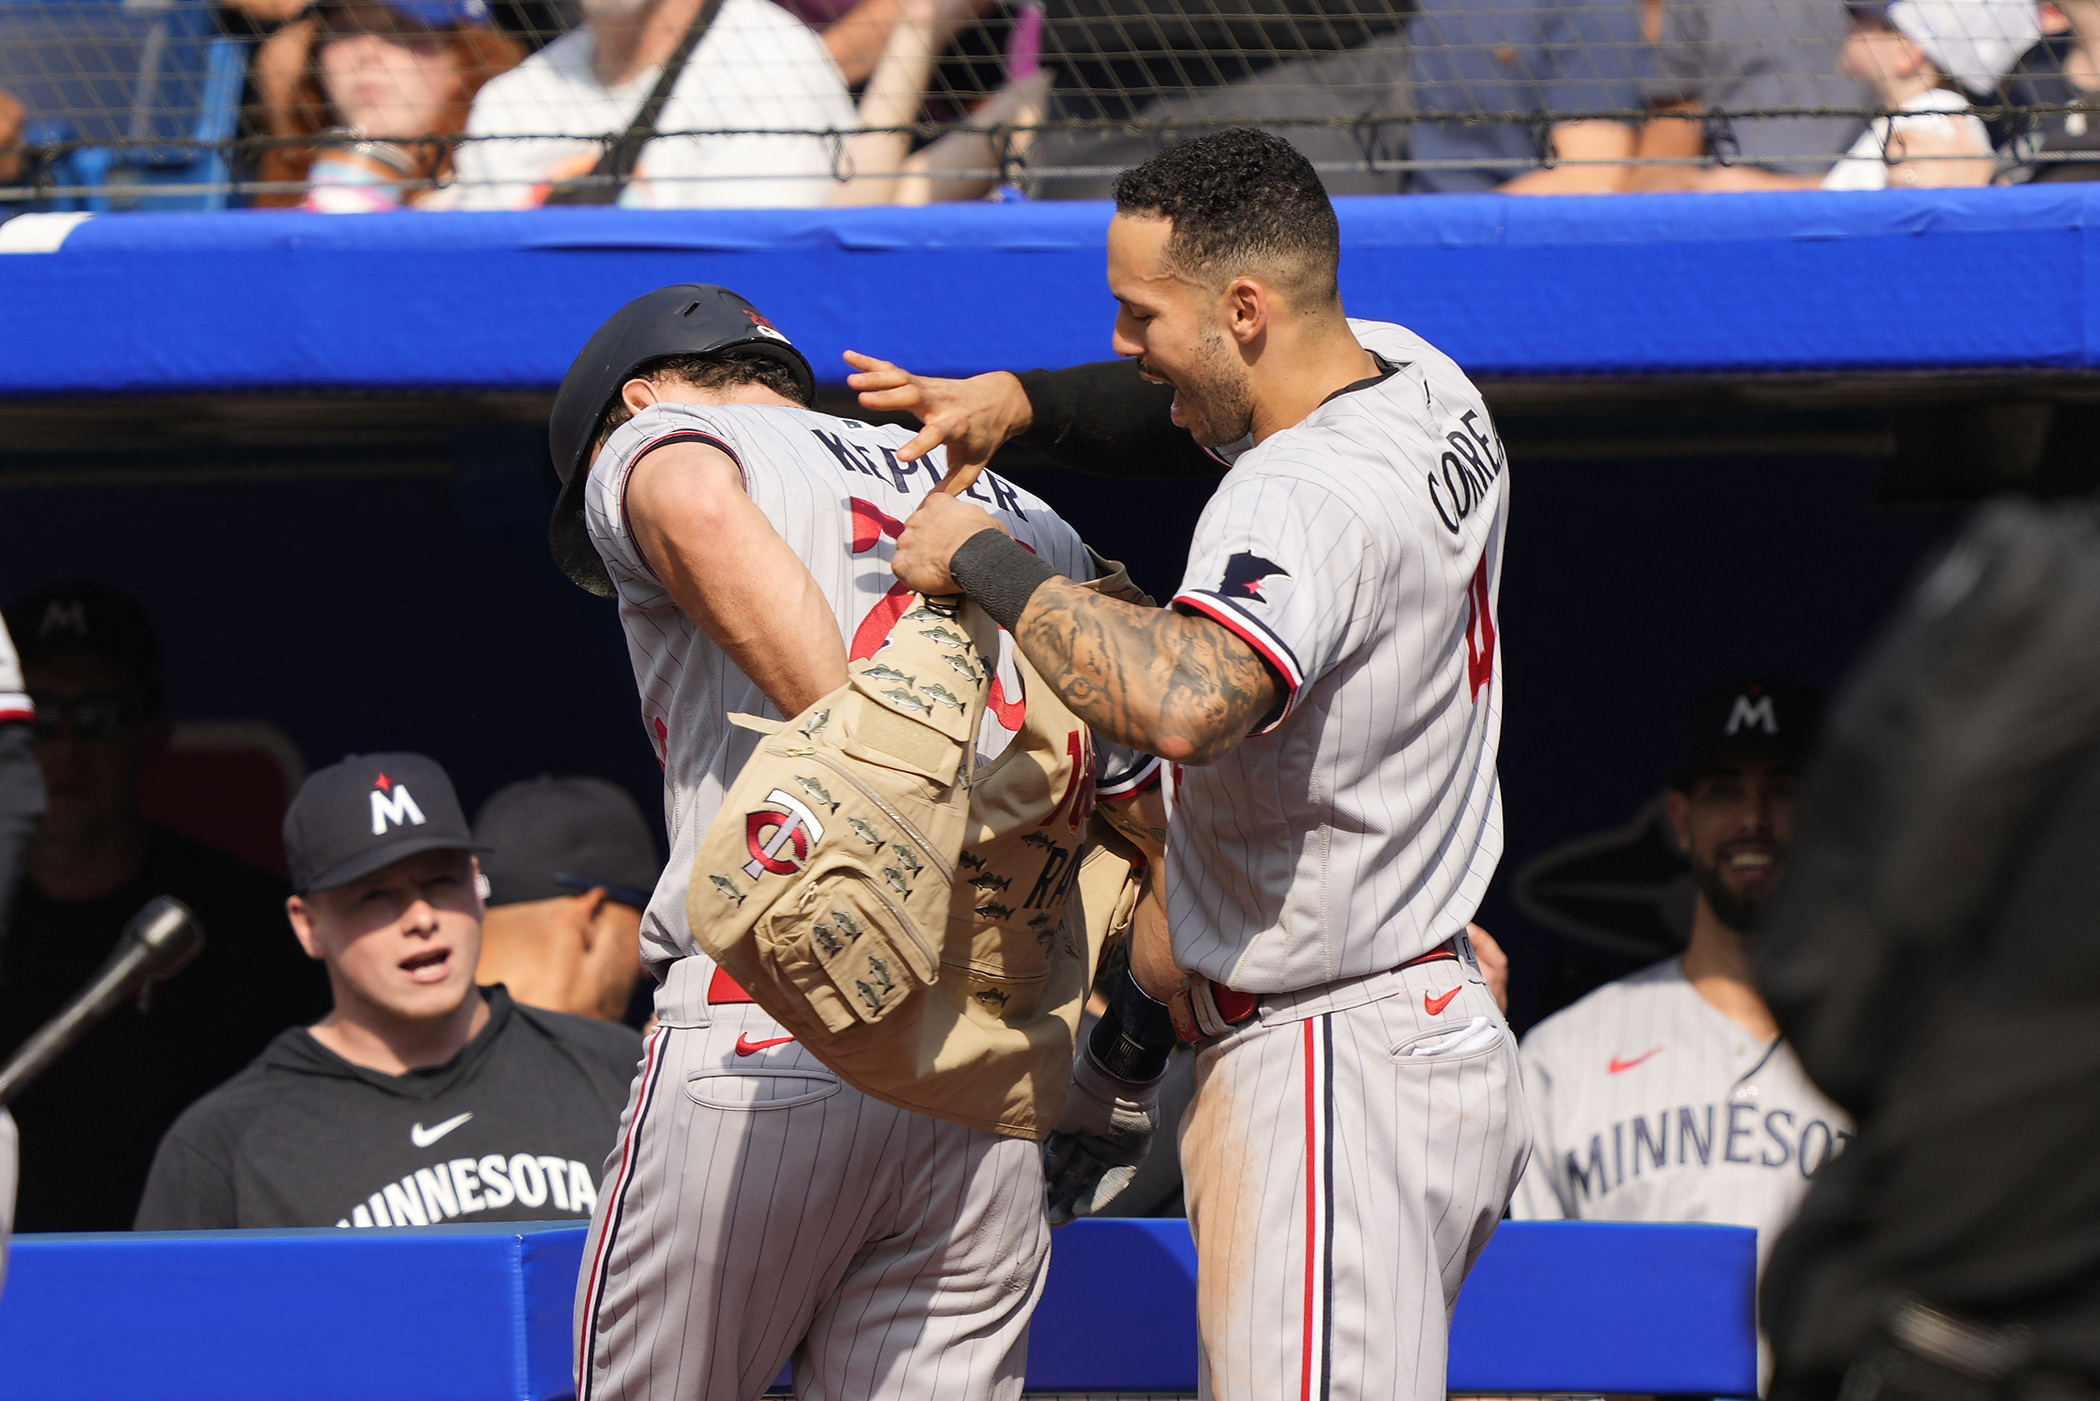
<point x="1112" y="1108"/>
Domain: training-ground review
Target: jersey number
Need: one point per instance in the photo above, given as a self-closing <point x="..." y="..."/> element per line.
<point x="871" y="526"/>
<point x="1480" y="631"/>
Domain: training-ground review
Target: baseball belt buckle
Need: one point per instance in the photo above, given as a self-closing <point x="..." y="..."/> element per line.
<point x="1218" y="1008"/>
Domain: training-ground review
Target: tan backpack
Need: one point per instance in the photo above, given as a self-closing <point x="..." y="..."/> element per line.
<point x="927" y="932"/>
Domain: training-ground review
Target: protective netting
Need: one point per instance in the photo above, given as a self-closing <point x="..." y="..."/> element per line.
<point x="359" y="104"/>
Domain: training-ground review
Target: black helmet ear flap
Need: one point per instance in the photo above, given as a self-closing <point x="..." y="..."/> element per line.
<point x="569" y="541"/>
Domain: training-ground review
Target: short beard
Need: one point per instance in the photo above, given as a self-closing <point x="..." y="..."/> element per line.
<point x="1214" y="395"/>
<point x="1735" y="912"/>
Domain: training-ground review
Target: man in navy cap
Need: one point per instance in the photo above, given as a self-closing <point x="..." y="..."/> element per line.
<point x="420" y="1098"/>
<point x="1669" y="1095"/>
<point x="570" y="868"/>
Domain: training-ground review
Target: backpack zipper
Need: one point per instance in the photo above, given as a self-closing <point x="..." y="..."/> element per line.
<point x="939" y="862"/>
<point x="905" y="924"/>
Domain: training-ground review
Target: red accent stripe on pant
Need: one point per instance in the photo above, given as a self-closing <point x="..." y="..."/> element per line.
<point x="1313" y="1380"/>
<point x="587" y="1328"/>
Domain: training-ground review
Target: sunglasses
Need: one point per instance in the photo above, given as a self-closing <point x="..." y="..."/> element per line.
<point x="91" y="717"/>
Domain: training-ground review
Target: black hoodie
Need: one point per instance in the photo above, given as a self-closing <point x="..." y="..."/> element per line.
<point x="516" y="1127"/>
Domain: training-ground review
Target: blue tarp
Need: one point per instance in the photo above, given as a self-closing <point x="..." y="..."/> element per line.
<point x="481" y="1313"/>
<point x="1662" y="285"/>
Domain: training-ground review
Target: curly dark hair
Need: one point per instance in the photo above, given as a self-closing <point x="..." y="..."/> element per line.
<point x="721" y="369"/>
<point x="1241" y="200"/>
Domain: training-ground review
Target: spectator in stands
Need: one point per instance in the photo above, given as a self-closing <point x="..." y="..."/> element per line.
<point x="1735" y="57"/>
<point x="420" y="1098"/>
<point x="2063" y="70"/>
<point x="1567" y="56"/>
<point x="91" y="665"/>
<point x="757" y="71"/>
<point x="571" y="865"/>
<point x="383" y="78"/>
<point x="1201" y="63"/>
<point x="1912" y="54"/>
<point x="1738" y="1128"/>
<point x="12" y="123"/>
<point x="856" y="35"/>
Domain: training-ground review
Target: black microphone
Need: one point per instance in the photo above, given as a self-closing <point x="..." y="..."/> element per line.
<point x="160" y="939"/>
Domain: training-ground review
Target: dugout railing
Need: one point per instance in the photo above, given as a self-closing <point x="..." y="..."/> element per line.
<point x="482" y="1313"/>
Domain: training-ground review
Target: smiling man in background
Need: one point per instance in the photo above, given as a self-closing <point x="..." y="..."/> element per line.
<point x="420" y="1098"/>
<point x="1737" y="1127"/>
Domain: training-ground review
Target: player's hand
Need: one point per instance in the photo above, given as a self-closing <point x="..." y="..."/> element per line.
<point x="932" y="536"/>
<point x="1101" y="1139"/>
<point x="973" y="417"/>
<point x="1494" y="964"/>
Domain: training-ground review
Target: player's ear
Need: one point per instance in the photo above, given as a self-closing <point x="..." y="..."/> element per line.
<point x="588" y="904"/>
<point x="637" y="394"/>
<point x="1246" y="309"/>
<point x="301" y="916"/>
<point x="1677" y="806"/>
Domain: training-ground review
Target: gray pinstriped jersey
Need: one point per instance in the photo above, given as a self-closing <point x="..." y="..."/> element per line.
<point x="1649" y="1104"/>
<point x="837" y="494"/>
<point x="1360" y="552"/>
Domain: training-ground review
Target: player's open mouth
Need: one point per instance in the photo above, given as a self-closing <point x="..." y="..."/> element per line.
<point x="1751" y="863"/>
<point x="428" y="967"/>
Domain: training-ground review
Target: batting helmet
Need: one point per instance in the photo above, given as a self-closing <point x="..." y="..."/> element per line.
<point x="692" y="318"/>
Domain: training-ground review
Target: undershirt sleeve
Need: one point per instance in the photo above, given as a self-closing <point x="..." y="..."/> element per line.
<point x="1107" y="419"/>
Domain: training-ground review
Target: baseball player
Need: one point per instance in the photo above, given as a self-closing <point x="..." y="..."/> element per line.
<point x="1669" y="1095"/>
<point x="1327" y="681"/>
<point x="757" y="1208"/>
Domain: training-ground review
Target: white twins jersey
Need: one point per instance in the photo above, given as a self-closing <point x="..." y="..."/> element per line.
<point x="1649" y="1104"/>
<point x="1360" y="552"/>
<point x="837" y="494"/>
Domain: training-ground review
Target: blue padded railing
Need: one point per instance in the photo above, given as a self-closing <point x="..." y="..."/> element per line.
<point x="448" y="1313"/>
<point x="1505" y="285"/>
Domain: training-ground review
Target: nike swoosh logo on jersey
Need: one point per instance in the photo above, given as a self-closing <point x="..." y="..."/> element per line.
<point x="423" y="1137"/>
<point x="1619" y="1067"/>
<point x="1434" y="1005"/>
<point x="745" y="1046"/>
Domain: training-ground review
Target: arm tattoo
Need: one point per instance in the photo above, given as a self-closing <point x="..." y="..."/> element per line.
<point x="1181" y="687"/>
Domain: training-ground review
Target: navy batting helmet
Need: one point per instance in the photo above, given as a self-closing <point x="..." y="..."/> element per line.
<point x="692" y="318"/>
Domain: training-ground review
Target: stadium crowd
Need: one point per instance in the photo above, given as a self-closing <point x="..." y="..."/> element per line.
<point x="441" y="104"/>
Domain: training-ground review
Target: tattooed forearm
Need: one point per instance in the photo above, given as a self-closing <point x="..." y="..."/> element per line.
<point x="1177" y="686"/>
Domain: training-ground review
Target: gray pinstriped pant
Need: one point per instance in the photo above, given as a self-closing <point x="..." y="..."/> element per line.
<point x="1340" y="1188"/>
<point x="757" y="1210"/>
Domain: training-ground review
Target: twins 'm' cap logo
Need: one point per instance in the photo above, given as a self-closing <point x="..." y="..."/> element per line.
<point x="779" y="836"/>
<point x="1753" y="710"/>
<point x="1244" y="573"/>
<point x="393" y="805"/>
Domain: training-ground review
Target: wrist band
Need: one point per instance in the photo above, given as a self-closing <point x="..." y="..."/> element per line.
<point x="1134" y="1036"/>
<point x="1000" y="574"/>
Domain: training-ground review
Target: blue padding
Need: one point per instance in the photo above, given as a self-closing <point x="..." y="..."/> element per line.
<point x="1119" y="1312"/>
<point x="1653" y="284"/>
<point x="1591" y="1306"/>
<point x="1552" y="1306"/>
<point x="483" y="1312"/>
<point x="445" y="1313"/>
